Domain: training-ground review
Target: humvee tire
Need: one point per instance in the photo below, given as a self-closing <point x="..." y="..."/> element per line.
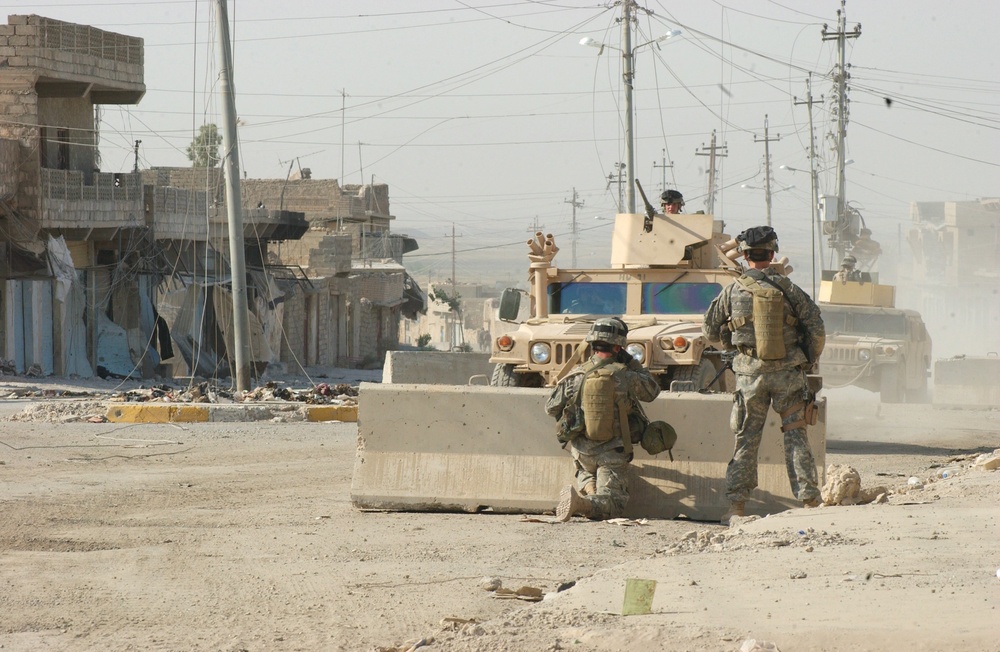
<point x="700" y="375"/>
<point x="504" y="376"/>
<point x="892" y="388"/>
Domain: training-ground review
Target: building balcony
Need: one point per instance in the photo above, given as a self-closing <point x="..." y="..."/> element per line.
<point x="97" y="209"/>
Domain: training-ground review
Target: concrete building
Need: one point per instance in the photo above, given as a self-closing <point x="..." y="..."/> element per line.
<point x="74" y="237"/>
<point x="953" y="274"/>
<point x="345" y="287"/>
<point x="467" y="328"/>
<point x="194" y="301"/>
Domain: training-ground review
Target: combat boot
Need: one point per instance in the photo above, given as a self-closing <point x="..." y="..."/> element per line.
<point x="812" y="502"/>
<point x="736" y="508"/>
<point x="571" y="503"/>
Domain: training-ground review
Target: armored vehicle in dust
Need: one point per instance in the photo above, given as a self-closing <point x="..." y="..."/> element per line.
<point x="872" y="344"/>
<point x="664" y="273"/>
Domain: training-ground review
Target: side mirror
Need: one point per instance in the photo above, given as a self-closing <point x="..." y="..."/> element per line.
<point x="510" y="305"/>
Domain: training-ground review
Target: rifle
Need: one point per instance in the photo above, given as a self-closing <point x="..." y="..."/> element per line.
<point x="647" y="224"/>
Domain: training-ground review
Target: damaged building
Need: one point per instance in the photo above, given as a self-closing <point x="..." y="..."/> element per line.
<point x="342" y="281"/>
<point x="74" y="239"/>
<point x="126" y="273"/>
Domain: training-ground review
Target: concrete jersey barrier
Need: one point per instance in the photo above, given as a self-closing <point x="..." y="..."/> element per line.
<point x="470" y="448"/>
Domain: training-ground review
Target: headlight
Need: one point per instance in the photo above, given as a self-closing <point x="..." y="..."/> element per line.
<point x="540" y="352"/>
<point x="666" y="344"/>
<point x="637" y="351"/>
<point x="864" y="355"/>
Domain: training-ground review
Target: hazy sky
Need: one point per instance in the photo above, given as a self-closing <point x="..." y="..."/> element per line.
<point x="485" y="114"/>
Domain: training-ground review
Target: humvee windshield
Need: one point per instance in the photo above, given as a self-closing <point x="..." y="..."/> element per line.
<point x="861" y="323"/>
<point x="678" y="298"/>
<point x="587" y="298"/>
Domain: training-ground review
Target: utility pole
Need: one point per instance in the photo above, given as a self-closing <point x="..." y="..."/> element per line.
<point x="343" y="122"/>
<point x="454" y="292"/>
<point x="713" y="151"/>
<point x="663" y="166"/>
<point x="619" y="167"/>
<point x="840" y="240"/>
<point x="135" y="166"/>
<point x="231" y="167"/>
<point x="809" y="101"/>
<point x="575" y="204"/>
<point x="627" y="76"/>
<point x="767" y="166"/>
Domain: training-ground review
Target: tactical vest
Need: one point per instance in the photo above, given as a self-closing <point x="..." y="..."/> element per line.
<point x="598" y="400"/>
<point x="759" y="324"/>
<point x="592" y="411"/>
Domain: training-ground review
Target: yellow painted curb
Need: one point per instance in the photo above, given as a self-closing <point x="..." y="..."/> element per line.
<point x="145" y="413"/>
<point x="332" y="413"/>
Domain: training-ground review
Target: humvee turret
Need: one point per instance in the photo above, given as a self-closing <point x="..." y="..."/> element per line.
<point x="663" y="275"/>
<point x="872" y="344"/>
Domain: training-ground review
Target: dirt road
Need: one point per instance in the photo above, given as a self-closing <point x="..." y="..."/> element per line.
<point x="242" y="537"/>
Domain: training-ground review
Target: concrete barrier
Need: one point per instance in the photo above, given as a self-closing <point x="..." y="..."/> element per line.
<point x="967" y="382"/>
<point x="451" y="448"/>
<point x="435" y="367"/>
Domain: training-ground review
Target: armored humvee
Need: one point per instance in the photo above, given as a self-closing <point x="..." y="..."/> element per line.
<point x="664" y="273"/>
<point x="872" y="344"/>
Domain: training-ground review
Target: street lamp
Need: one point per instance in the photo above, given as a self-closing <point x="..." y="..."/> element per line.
<point x="773" y="192"/>
<point x="627" y="50"/>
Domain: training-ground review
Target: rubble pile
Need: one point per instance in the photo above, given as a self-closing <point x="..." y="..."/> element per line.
<point x="843" y="487"/>
<point x="62" y="411"/>
<point x="204" y="392"/>
<point x="320" y="394"/>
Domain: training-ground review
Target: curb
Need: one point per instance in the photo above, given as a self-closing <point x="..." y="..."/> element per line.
<point x="159" y="413"/>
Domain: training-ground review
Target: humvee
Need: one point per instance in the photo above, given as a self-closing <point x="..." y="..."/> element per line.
<point x="660" y="282"/>
<point x="872" y="344"/>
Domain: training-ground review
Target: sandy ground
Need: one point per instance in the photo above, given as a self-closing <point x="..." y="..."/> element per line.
<point x="242" y="537"/>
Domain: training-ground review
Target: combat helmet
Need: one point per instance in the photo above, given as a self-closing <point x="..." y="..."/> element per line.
<point x="610" y="330"/>
<point x="849" y="261"/>
<point x="758" y="237"/>
<point x="658" y="436"/>
<point x="672" y="197"/>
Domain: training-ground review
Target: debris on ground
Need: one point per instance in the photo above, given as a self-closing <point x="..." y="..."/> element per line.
<point x="843" y="487"/>
<point x="526" y="593"/>
<point x="711" y="540"/>
<point x="988" y="461"/>
<point x="204" y="392"/>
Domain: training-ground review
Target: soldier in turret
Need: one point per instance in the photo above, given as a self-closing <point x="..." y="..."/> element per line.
<point x="848" y="271"/>
<point x="672" y="202"/>
<point x="778" y="334"/>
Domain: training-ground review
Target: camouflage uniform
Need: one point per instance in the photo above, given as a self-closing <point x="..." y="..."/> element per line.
<point x="604" y="462"/>
<point x="761" y="384"/>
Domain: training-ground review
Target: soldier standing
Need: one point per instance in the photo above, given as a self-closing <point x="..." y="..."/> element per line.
<point x="778" y="334"/>
<point x="601" y="490"/>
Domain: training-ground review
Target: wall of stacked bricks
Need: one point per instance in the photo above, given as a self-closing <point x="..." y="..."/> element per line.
<point x="31" y="45"/>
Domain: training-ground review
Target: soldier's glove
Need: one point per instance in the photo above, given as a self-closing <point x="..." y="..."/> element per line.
<point x="624" y="357"/>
